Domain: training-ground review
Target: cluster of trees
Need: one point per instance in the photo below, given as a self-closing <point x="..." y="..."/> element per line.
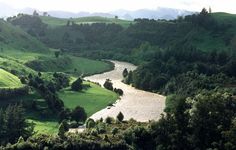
<point x="78" y="114"/>
<point x="205" y="121"/>
<point x="47" y="89"/>
<point x="6" y="93"/>
<point x="13" y="124"/>
<point x="109" y="85"/>
<point x="184" y="71"/>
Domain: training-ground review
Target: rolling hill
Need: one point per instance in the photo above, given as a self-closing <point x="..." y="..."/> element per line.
<point x="53" y="21"/>
<point x="8" y="80"/>
<point x="12" y="37"/>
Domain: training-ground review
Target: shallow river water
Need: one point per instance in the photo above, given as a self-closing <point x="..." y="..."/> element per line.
<point x="137" y="104"/>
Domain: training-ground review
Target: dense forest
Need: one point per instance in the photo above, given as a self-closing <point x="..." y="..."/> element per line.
<point x="192" y="60"/>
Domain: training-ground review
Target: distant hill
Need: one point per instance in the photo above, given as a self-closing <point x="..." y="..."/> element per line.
<point x="12" y="37"/>
<point x="53" y="21"/>
<point x="159" y="13"/>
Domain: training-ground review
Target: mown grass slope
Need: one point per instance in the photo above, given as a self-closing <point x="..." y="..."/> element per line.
<point x="8" y="80"/>
<point x="92" y="99"/>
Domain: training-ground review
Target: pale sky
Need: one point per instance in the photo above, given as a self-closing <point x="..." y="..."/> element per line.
<point x="110" y="5"/>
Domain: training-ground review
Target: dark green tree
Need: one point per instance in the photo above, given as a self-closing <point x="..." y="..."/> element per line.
<point x="125" y="73"/>
<point x="108" y="84"/>
<point x="79" y="114"/>
<point x="77" y="85"/>
<point x="120" y="117"/>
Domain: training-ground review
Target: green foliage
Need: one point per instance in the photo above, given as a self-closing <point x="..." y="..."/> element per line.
<point x="108" y="85"/>
<point x="14" y="124"/>
<point x="108" y="120"/>
<point x="90" y="123"/>
<point x="78" y="114"/>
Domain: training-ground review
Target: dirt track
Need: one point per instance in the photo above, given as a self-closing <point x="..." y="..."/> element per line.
<point x="137" y="104"/>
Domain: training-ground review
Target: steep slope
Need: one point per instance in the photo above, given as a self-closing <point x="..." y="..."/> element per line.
<point x="8" y="80"/>
<point x="12" y="37"/>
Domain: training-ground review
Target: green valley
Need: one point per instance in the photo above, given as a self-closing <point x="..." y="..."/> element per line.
<point x="176" y="81"/>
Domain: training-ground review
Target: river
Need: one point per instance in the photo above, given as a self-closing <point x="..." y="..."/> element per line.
<point x="137" y="104"/>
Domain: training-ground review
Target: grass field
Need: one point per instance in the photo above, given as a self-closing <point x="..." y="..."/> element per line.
<point x="53" y="21"/>
<point x="93" y="99"/>
<point x="8" y="80"/>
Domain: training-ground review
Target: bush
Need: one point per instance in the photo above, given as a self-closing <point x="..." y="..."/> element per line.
<point x="108" y="120"/>
<point x="108" y="84"/>
<point x="114" y="131"/>
<point x="119" y="91"/>
<point x="90" y="123"/>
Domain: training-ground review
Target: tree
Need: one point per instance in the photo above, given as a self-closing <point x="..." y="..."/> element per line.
<point x="125" y="73"/>
<point x="108" y="84"/>
<point x="118" y="91"/>
<point x="108" y="120"/>
<point x="116" y="17"/>
<point x="35" y="13"/>
<point x="45" y="14"/>
<point x="62" y="131"/>
<point x="68" y="23"/>
<point x="114" y="131"/>
<point x="57" y="54"/>
<point x="204" y="12"/>
<point x="129" y="78"/>
<point x="39" y="74"/>
<point x="211" y="115"/>
<point x="77" y="85"/>
<point x="16" y="124"/>
<point x="79" y="114"/>
<point x="120" y="117"/>
<point x="210" y="10"/>
<point x="64" y="115"/>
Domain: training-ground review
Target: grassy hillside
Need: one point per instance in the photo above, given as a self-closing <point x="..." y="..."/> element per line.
<point x="8" y="80"/>
<point x="53" y="21"/>
<point x="14" y="37"/>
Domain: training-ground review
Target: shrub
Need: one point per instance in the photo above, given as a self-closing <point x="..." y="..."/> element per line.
<point x="90" y="123"/>
<point x="114" y="131"/>
<point x="108" y="120"/>
<point x="119" y="91"/>
<point x="108" y="84"/>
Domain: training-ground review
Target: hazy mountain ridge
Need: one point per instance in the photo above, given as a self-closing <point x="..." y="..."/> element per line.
<point x="159" y="13"/>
